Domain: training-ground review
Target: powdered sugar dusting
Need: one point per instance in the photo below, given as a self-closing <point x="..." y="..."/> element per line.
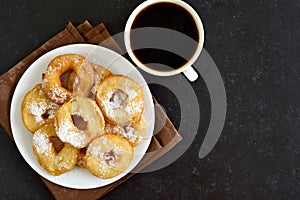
<point x="51" y="112"/>
<point x="107" y="159"/>
<point x="121" y="106"/>
<point x="117" y="98"/>
<point x="98" y="78"/>
<point x="38" y="109"/>
<point x="130" y="134"/>
<point x="62" y="163"/>
<point x="57" y="94"/>
<point x="134" y="107"/>
<point x="95" y="151"/>
<point x="76" y="81"/>
<point x="67" y="133"/>
<point x="87" y="67"/>
<point x="41" y="143"/>
<point x="127" y="132"/>
<point x="106" y="152"/>
<point x="131" y="93"/>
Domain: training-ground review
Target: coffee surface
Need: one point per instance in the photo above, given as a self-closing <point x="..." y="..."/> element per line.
<point x="169" y="16"/>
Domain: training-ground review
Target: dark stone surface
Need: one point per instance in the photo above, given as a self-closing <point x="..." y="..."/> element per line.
<point x="254" y="43"/>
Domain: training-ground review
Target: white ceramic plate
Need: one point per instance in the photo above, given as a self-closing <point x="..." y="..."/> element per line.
<point x="78" y="178"/>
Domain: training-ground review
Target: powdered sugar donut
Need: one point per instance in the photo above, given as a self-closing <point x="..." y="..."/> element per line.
<point x="108" y="156"/>
<point x="52" y="85"/>
<point x="37" y="109"/>
<point x="121" y="99"/>
<point x="79" y="121"/>
<point x="54" y="161"/>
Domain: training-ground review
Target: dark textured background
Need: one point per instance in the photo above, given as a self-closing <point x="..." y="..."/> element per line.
<point x="253" y="42"/>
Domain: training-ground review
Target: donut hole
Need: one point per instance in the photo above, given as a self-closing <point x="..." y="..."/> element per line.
<point x="45" y="115"/>
<point x="110" y="157"/>
<point x="118" y="98"/>
<point x="64" y="77"/>
<point x="48" y="114"/>
<point x="58" y="144"/>
<point x="73" y="81"/>
<point x="79" y="122"/>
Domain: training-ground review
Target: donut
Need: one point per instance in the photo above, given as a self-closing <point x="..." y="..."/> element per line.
<point x="52" y="85"/>
<point x="79" y="121"/>
<point x="108" y="156"/>
<point x="120" y="99"/>
<point x="100" y="74"/>
<point x="36" y="109"/>
<point x="134" y="133"/>
<point x="55" y="162"/>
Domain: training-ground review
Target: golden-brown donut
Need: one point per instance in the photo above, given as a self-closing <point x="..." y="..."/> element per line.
<point x="108" y="156"/>
<point x="134" y="133"/>
<point x="100" y="74"/>
<point x="121" y="99"/>
<point x="37" y="109"/>
<point x="52" y="85"/>
<point x="79" y="121"/>
<point x="54" y="161"/>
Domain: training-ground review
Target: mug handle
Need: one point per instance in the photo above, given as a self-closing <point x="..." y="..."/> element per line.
<point x="190" y="73"/>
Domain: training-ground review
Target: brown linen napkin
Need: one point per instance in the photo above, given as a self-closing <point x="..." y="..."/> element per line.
<point x="161" y="143"/>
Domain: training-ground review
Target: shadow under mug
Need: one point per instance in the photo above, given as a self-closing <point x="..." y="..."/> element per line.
<point x="186" y="68"/>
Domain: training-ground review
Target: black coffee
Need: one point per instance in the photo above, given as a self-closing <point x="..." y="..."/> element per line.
<point x="170" y="16"/>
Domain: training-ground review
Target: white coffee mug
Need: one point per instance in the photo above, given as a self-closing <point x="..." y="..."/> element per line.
<point x="187" y="68"/>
